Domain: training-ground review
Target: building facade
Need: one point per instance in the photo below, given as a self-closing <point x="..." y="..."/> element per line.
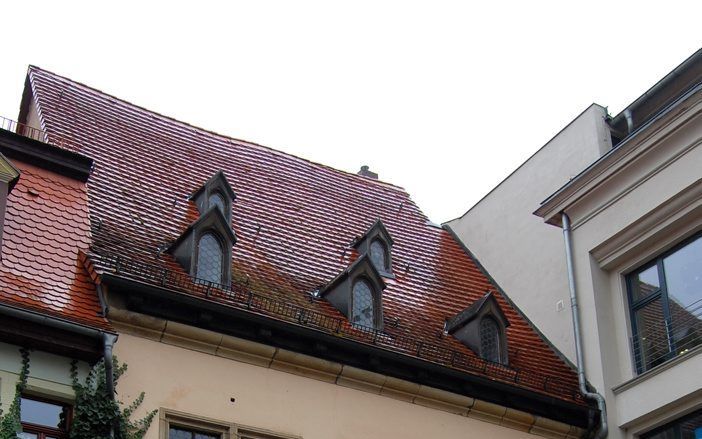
<point x="634" y="220"/>
<point x="259" y="295"/>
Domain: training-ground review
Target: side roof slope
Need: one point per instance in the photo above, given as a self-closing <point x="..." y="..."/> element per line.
<point x="295" y="220"/>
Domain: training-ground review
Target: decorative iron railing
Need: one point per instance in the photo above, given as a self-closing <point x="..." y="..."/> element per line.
<point x="240" y="295"/>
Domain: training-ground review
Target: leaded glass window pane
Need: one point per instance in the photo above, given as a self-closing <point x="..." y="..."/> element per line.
<point x="217" y="200"/>
<point x="489" y="340"/>
<point x="209" y="259"/>
<point x="378" y="255"/>
<point x="362" y="314"/>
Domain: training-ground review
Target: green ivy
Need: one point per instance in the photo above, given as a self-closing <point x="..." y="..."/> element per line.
<point x="10" y="424"/>
<point x="95" y="414"/>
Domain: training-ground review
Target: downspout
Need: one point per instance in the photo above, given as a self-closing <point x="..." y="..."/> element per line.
<point x="108" y="343"/>
<point x="599" y="399"/>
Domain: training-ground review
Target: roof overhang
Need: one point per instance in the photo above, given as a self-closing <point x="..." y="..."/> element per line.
<point x="646" y="139"/>
<point x="209" y="314"/>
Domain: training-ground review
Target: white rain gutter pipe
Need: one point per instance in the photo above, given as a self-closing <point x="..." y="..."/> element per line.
<point x="599" y="399"/>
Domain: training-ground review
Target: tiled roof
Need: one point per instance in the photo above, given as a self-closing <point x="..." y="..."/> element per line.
<point x="295" y="220"/>
<point x="46" y="228"/>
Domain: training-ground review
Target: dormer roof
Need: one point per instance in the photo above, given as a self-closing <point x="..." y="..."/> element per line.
<point x="377" y="229"/>
<point x="487" y="303"/>
<point x="218" y="180"/>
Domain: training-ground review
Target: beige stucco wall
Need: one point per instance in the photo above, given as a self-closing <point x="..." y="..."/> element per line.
<point x="642" y="200"/>
<point x="525" y="257"/>
<point x="202" y="384"/>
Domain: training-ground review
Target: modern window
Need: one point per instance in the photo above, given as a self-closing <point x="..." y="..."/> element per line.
<point x="665" y="297"/>
<point x="687" y="427"/>
<point x="210" y="258"/>
<point x="489" y="339"/>
<point x="362" y="304"/>
<point x="43" y="419"/>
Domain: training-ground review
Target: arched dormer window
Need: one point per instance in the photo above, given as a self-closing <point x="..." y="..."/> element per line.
<point x="216" y="199"/>
<point x="362" y="312"/>
<point x="379" y="255"/>
<point x="481" y="326"/>
<point x="216" y="192"/>
<point x="210" y="258"/>
<point x="490" y="339"/>
<point x="357" y="293"/>
<point x="377" y="243"/>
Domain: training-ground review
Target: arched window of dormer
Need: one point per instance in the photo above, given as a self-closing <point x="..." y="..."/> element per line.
<point x="490" y="339"/>
<point x="210" y="258"/>
<point x="379" y="255"/>
<point x="362" y="304"/>
<point x="216" y="199"/>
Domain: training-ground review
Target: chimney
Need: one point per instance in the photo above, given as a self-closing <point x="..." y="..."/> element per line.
<point x="365" y="172"/>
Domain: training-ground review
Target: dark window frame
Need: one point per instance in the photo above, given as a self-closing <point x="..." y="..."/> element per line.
<point x="42" y="430"/>
<point x="498" y="338"/>
<point x="661" y="294"/>
<point x="674" y="427"/>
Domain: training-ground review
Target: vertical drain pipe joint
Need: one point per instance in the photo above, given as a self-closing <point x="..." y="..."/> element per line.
<point x="108" y="341"/>
<point x="599" y="399"/>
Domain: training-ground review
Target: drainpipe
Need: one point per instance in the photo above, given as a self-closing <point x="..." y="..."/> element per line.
<point x="599" y="399"/>
<point x="108" y="341"/>
<point x="629" y="121"/>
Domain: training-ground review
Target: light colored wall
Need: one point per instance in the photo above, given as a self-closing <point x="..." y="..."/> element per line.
<point x="524" y="256"/>
<point x="202" y="384"/>
<point x="49" y="375"/>
<point x="643" y="199"/>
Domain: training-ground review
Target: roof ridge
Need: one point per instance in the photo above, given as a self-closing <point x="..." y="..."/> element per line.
<point x="33" y="68"/>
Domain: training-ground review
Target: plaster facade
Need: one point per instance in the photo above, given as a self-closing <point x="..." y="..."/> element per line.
<point x="523" y="256"/>
<point x="253" y="387"/>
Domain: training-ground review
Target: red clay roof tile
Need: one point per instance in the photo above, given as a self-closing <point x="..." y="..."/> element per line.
<point x="294" y="219"/>
<point x="46" y="226"/>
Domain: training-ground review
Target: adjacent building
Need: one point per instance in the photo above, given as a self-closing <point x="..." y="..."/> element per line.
<point x="633" y="217"/>
<point x="260" y="295"/>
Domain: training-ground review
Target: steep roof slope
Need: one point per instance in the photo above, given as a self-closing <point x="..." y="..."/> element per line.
<point x="294" y="219"/>
<point x="46" y="231"/>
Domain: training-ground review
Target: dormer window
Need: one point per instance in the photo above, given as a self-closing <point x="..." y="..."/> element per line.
<point x="362" y="300"/>
<point x="210" y="258"/>
<point x="489" y="339"/>
<point x="377" y="243"/>
<point x="216" y="199"/>
<point x="204" y="249"/>
<point x="215" y="193"/>
<point x="356" y="293"/>
<point x="481" y="327"/>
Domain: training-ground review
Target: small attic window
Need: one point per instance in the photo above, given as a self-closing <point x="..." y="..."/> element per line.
<point x="377" y="243"/>
<point x="210" y="258"/>
<point x="216" y="199"/>
<point x="362" y="304"/>
<point x="215" y="193"/>
<point x="481" y="327"/>
<point x="490" y="339"/>
<point x="357" y="294"/>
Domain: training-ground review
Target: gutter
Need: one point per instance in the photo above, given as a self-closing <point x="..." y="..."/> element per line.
<point x="107" y="339"/>
<point x="603" y="428"/>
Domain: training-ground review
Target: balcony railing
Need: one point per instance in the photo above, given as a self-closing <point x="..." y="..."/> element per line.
<point x="240" y="295"/>
<point x="658" y="341"/>
<point x="34" y="133"/>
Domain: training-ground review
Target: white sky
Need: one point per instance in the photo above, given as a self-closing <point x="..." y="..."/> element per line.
<point x="442" y="98"/>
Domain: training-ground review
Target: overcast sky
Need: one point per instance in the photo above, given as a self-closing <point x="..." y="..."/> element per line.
<point x="442" y="98"/>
